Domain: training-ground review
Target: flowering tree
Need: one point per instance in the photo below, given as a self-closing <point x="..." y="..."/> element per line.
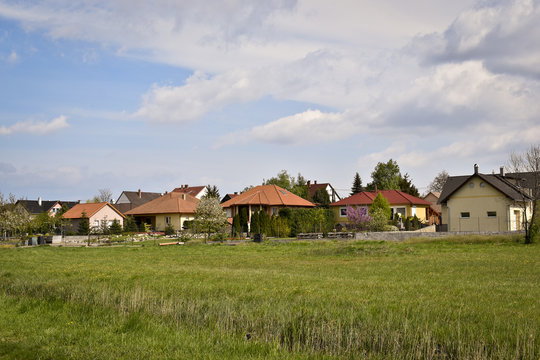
<point x="358" y="217"/>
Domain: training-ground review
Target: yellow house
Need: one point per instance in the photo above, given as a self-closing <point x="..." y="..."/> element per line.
<point x="400" y="203"/>
<point x="481" y="202"/>
<point x="170" y="209"/>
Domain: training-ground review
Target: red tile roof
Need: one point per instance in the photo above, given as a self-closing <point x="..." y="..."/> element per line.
<point x="171" y="203"/>
<point x="394" y="197"/>
<point x="269" y="195"/>
<point x="90" y="209"/>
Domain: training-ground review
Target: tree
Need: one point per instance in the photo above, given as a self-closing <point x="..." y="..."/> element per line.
<point x="212" y="191"/>
<point x="209" y="216"/>
<point x="297" y="186"/>
<point x="380" y="203"/>
<point x="84" y="225"/>
<point x="104" y="195"/>
<point x="129" y="224"/>
<point x="14" y="219"/>
<point x="236" y="226"/>
<point x="438" y="182"/>
<point x="43" y="223"/>
<point x="357" y="185"/>
<point x="525" y="170"/>
<point x="405" y="185"/>
<point x="115" y="227"/>
<point x="385" y="176"/>
<point x="358" y="217"/>
<point x="255" y="225"/>
<point x="321" y="198"/>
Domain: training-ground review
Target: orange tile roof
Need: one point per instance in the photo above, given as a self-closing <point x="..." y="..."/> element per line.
<point x="269" y="195"/>
<point x="171" y="203"/>
<point x="89" y="208"/>
<point x="191" y="190"/>
<point x="394" y="197"/>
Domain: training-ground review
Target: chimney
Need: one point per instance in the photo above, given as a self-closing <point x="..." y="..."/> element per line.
<point x="236" y="193"/>
<point x="501" y="172"/>
<point x="185" y="186"/>
<point x="39" y="201"/>
<point x="140" y="193"/>
<point x="308" y="183"/>
<point x="315" y="182"/>
<point x="475" y="169"/>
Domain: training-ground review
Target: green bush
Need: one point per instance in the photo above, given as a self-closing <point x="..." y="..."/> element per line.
<point x="169" y="230"/>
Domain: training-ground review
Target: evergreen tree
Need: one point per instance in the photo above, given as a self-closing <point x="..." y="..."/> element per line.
<point x="129" y="224"/>
<point x="236" y="226"/>
<point x="406" y="185"/>
<point x="382" y="204"/>
<point x="212" y="191"/>
<point x="321" y="198"/>
<point x="385" y="176"/>
<point x="84" y="225"/>
<point x="264" y="220"/>
<point x="357" y="185"/>
<point x="115" y="228"/>
<point x="254" y="226"/>
<point x="244" y="219"/>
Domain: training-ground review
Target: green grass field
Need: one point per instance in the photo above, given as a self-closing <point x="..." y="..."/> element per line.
<point x="462" y="298"/>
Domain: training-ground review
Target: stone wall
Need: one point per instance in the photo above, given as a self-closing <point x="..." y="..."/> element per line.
<point x="404" y="235"/>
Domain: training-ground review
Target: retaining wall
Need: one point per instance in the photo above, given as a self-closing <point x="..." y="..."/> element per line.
<point x="404" y="235"/>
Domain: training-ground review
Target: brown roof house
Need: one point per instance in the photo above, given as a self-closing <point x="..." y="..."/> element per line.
<point x="98" y="214"/>
<point x="36" y="207"/>
<point x="195" y="191"/>
<point x="269" y="198"/>
<point x="131" y="199"/>
<point x="483" y="202"/>
<point x="170" y="209"/>
<point x="400" y="203"/>
<point x="314" y="187"/>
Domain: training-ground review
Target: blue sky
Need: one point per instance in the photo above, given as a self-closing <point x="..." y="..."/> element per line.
<point x="153" y="95"/>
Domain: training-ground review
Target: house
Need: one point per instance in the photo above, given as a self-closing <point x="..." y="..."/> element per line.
<point x="400" y="203"/>
<point x="434" y="211"/>
<point x="228" y="197"/>
<point x="173" y="209"/>
<point x="99" y="215"/>
<point x="483" y="202"/>
<point x="269" y="198"/>
<point x="314" y="187"/>
<point x="36" y="207"/>
<point x="131" y="199"/>
<point x="195" y="191"/>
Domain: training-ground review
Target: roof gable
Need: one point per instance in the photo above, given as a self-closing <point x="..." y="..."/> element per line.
<point x="33" y="206"/>
<point x="454" y="183"/>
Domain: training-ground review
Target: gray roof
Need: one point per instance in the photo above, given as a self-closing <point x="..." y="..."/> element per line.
<point x="135" y="200"/>
<point x="453" y="183"/>
<point x="33" y="207"/>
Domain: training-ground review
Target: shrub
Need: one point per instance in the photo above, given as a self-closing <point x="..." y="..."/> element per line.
<point x="115" y="228"/>
<point x="169" y="230"/>
<point x="379" y="221"/>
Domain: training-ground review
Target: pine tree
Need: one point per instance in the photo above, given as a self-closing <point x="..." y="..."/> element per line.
<point x="115" y="228"/>
<point x="254" y="226"/>
<point x="84" y="225"/>
<point x="357" y="185"/>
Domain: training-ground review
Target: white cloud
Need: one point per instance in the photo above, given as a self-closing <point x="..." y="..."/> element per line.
<point x="36" y="127"/>
<point x="13" y="57"/>
<point x="502" y="34"/>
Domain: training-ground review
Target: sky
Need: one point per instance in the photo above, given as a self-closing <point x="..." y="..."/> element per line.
<point x="151" y="95"/>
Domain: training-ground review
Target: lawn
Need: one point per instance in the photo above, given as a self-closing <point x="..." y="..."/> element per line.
<point x="462" y="298"/>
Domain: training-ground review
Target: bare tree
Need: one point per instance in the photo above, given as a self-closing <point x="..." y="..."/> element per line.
<point x="104" y="195"/>
<point x="438" y="182"/>
<point x="525" y="170"/>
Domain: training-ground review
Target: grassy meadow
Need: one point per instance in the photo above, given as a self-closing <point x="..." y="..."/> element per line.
<point x="461" y="298"/>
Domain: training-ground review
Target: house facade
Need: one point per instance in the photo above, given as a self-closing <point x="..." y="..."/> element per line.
<point x="314" y="187"/>
<point x="195" y="191"/>
<point x="400" y="203"/>
<point x="173" y="209"/>
<point x="99" y="215"/>
<point x="483" y="202"/>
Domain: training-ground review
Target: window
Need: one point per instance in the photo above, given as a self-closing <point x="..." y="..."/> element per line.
<point x="482" y="184"/>
<point x="492" y="214"/>
<point x="343" y="212"/>
<point x="471" y="185"/>
<point x="274" y="211"/>
<point x="167" y="220"/>
<point x="465" y="215"/>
